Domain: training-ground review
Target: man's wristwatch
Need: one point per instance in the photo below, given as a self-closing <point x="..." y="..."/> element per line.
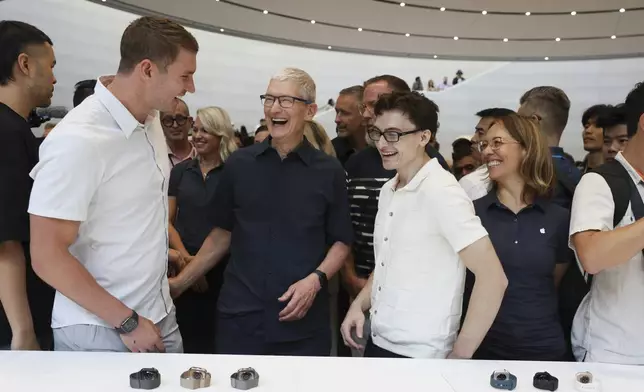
<point x="323" y="278"/>
<point x="129" y="324"/>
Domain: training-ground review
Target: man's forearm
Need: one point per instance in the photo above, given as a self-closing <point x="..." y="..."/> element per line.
<point x="212" y="251"/>
<point x="13" y="288"/>
<point x="484" y="305"/>
<point x="175" y="240"/>
<point x="334" y="259"/>
<point x="66" y="274"/>
<point x="363" y="300"/>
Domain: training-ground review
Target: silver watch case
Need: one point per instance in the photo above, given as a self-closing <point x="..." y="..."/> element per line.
<point x="195" y="378"/>
<point x="244" y="379"/>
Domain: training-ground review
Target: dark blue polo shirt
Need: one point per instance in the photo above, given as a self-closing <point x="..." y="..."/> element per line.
<point x="529" y="245"/>
<point x="283" y="215"/>
<point x="568" y="176"/>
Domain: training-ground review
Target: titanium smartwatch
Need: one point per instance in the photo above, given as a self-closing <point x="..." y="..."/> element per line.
<point x="129" y="324"/>
<point x="244" y="379"/>
<point x="146" y="378"/>
<point x="195" y="378"/>
<point x="502" y="379"/>
<point x="324" y="280"/>
<point x="545" y="381"/>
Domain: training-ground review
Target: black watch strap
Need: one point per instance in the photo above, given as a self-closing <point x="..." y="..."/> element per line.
<point x="323" y="278"/>
<point x="129" y="324"/>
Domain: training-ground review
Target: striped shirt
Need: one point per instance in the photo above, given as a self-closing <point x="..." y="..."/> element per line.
<point x="365" y="178"/>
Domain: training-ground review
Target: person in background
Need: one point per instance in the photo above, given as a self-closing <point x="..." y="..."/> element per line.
<point x="176" y="128"/>
<point x="458" y="78"/>
<point x="27" y="81"/>
<point x="426" y="234"/>
<point x="431" y="86"/>
<point x="530" y="235"/>
<point x="48" y="128"/>
<point x="237" y="138"/>
<point x="609" y="321"/>
<point x="245" y="138"/>
<point x="465" y="157"/>
<point x="444" y="85"/>
<point x="593" y="136"/>
<point x="282" y="209"/>
<point x="192" y="188"/>
<point x="418" y="85"/>
<point x="349" y="123"/>
<point x="613" y="122"/>
<point x="82" y="90"/>
<point x="99" y="211"/>
<point x="261" y="134"/>
<point x="317" y="136"/>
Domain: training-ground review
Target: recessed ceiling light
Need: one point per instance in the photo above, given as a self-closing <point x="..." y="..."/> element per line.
<point x="622" y="10"/>
<point x="455" y="38"/>
<point x="442" y="9"/>
<point x="222" y="30"/>
<point x="505" y="40"/>
<point x="527" y="13"/>
<point x="546" y="58"/>
<point x="265" y="12"/>
<point x="104" y="1"/>
<point x="407" y="35"/>
<point x="312" y="22"/>
<point x="484" y="12"/>
<point x="557" y="39"/>
<point x="435" y="56"/>
<point x="359" y="28"/>
<point x="330" y="47"/>
<point x="573" y="13"/>
<point x="613" y="36"/>
<point x="402" y="4"/>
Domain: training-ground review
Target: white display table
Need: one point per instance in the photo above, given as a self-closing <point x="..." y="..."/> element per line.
<point x="98" y="372"/>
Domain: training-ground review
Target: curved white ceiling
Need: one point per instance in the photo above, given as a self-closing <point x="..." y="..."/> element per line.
<point x="486" y="29"/>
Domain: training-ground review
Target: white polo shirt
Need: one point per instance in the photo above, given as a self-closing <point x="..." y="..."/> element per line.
<point x="477" y="184"/>
<point x="609" y="324"/>
<point x="104" y="169"/>
<point x="418" y="280"/>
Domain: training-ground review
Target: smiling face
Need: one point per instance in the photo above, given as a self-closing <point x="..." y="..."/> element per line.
<point x="177" y="123"/>
<point x="408" y="149"/>
<point x="205" y="143"/>
<point x="164" y="85"/>
<point x="347" y="118"/>
<point x="503" y="155"/>
<point x="287" y="123"/>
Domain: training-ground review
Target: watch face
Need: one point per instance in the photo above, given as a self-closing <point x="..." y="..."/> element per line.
<point x="130" y="325"/>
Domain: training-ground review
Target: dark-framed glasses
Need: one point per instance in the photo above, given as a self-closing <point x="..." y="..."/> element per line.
<point x="169" y="121"/>
<point x="285" y="101"/>
<point x="391" y="136"/>
<point x="495" y="144"/>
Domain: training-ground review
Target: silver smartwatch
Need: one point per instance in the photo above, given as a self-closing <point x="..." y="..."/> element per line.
<point x="195" y="378"/>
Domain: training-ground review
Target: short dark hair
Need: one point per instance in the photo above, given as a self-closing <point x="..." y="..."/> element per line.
<point x="611" y="116"/>
<point x="356" y="90"/>
<point x="395" y="83"/>
<point x="82" y="90"/>
<point x="156" y="39"/>
<point x="634" y="106"/>
<point x="261" y="128"/>
<point x="15" y="38"/>
<point x="593" y="113"/>
<point x="495" y="112"/>
<point x="420" y="110"/>
<point x="553" y="105"/>
<point x="461" y="148"/>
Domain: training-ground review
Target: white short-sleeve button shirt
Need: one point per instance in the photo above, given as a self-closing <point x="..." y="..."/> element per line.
<point x="418" y="280"/>
<point x="609" y="324"/>
<point x="102" y="168"/>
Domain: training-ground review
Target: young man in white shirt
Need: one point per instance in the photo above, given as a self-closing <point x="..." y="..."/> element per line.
<point x="609" y="322"/>
<point x="426" y="234"/>
<point x="99" y="209"/>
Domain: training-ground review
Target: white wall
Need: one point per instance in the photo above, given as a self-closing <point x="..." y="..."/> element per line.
<point x="233" y="72"/>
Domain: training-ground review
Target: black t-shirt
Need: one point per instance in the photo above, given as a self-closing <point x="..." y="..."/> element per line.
<point x="18" y="155"/>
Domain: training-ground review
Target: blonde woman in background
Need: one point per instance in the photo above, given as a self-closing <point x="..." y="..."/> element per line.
<point x="317" y="136"/>
<point x="191" y="191"/>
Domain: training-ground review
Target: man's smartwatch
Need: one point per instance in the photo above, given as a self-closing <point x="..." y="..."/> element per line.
<point x="129" y="324"/>
<point x="146" y="378"/>
<point x="323" y="278"/>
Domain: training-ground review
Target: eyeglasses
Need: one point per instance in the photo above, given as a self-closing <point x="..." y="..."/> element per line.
<point x="494" y="144"/>
<point x="285" y="101"/>
<point x="364" y="107"/>
<point x="169" y="121"/>
<point x="391" y="136"/>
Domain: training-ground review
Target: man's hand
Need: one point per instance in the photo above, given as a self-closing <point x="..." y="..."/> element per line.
<point x="176" y="259"/>
<point x="26" y="341"/>
<point x="146" y="338"/>
<point x="176" y="287"/>
<point x="354" y="320"/>
<point x="301" y="295"/>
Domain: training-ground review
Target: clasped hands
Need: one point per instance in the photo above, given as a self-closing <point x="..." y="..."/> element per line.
<point x="179" y="262"/>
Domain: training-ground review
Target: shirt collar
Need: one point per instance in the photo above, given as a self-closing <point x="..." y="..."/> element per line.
<point x="119" y="112"/>
<point x="492" y="200"/>
<point x="304" y="150"/>
<point x="417" y="179"/>
<point x="635" y="176"/>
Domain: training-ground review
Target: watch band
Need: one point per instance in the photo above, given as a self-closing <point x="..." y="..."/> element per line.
<point x="129" y="324"/>
<point x="244" y="379"/>
<point x="545" y="381"/>
<point x="195" y="378"/>
<point x="324" y="280"/>
<point x="146" y="378"/>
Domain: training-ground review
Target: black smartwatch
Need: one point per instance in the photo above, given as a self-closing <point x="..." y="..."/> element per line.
<point x="323" y="278"/>
<point x="146" y="378"/>
<point x="129" y="324"/>
<point x="545" y="381"/>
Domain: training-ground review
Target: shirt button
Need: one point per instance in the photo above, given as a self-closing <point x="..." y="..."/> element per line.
<point x="382" y="264"/>
<point x="373" y="335"/>
<point x="515" y="219"/>
<point x="386" y="239"/>
<point x="391" y="214"/>
<point x="379" y="288"/>
<point x="516" y="242"/>
<point x="375" y="312"/>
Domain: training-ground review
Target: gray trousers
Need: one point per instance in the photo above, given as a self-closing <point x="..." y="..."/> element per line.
<point x="84" y="337"/>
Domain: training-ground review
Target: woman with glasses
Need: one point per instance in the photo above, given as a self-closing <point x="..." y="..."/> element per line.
<point x="191" y="190"/>
<point x="530" y="235"/>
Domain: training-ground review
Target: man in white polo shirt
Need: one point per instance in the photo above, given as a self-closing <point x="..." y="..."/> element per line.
<point x="426" y="234"/>
<point x="99" y="211"/>
<point x="609" y="324"/>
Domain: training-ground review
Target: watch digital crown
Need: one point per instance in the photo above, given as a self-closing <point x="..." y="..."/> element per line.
<point x="244" y="379"/>
<point x="195" y="378"/>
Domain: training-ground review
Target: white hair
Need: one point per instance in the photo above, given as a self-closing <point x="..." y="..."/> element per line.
<point x="302" y="79"/>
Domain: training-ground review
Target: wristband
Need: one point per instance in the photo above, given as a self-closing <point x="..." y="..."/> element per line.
<point x="146" y="378"/>
<point x="195" y="378"/>
<point x="502" y="379"/>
